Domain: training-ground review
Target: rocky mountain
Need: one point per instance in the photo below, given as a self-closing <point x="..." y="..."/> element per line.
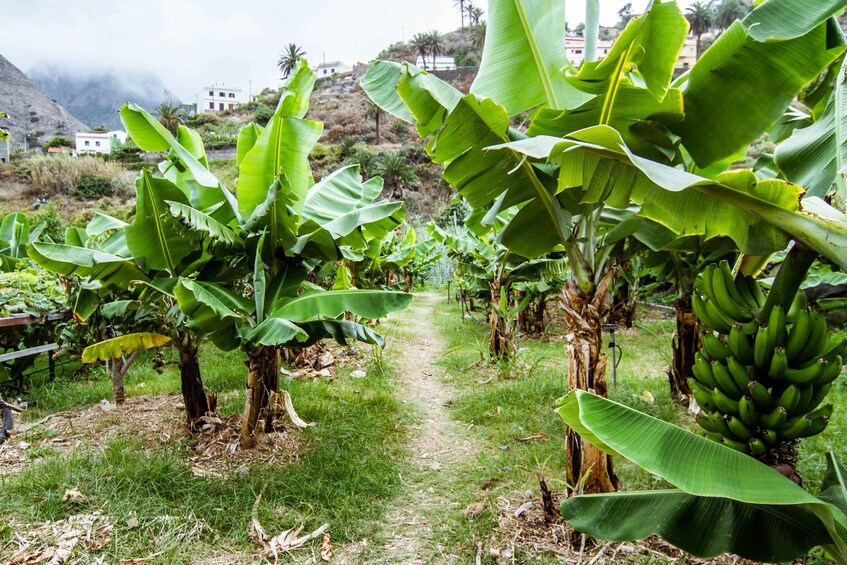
<point x="95" y="98"/>
<point x="32" y="114"/>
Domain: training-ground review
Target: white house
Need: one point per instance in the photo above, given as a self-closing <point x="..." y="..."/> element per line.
<point x="331" y="68"/>
<point x="441" y="63"/>
<point x="219" y="98"/>
<point x="575" y="49"/>
<point x="98" y="142"/>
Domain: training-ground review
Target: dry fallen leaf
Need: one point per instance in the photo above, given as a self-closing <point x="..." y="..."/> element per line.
<point x="540" y="436"/>
<point x="73" y="496"/>
<point x="326" y="548"/>
<point x="475" y="509"/>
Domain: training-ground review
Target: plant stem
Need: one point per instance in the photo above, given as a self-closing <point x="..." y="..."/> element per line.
<point x="788" y="279"/>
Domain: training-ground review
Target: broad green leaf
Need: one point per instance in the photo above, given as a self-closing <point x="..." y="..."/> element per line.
<point x="339" y="330"/>
<point x="700" y="468"/>
<point x="101" y="223"/>
<point x="276" y="331"/>
<point x="815" y="156"/>
<point x="110" y="271"/>
<point x="193" y="143"/>
<point x="740" y="87"/>
<point x="380" y="83"/>
<point x="247" y="137"/>
<point x="787" y="19"/>
<point x="196" y="296"/>
<point x="523" y="58"/>
<point x="370" y="304"/>
<point x="155" y="238"/>
<point x="259" y="281"/>
<point x="119" y="308"/>
<point x="294" y="99"/>
<point x="428" y="97"/>
<point x="86" y="304"/>
<point x="76" y="236"/>
<point x="702" y="526"/>
<point x="197" y="220"/>
<point x="14" y="235"/>
<point x="834" y="485"/>
<point x="122" y="345"/>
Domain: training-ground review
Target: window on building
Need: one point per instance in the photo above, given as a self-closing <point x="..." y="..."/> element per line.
<point x="221" y="94"/>
<point x="578" y="51"/>
<point x="232" y="95"/>
<point x="97" y="143"/>
<point x="231" y="106"/>
<point x="221" y="106"/>
<point x="324" y="71"/>
<point x="211" y="93"/>
<point x="87" y="143"/>
<point x="211" y="105"/>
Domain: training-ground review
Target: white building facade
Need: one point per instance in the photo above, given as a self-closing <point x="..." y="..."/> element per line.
<point x="575" y="49"/>
<point x="219" y="98"/>
<point x="331" y="68"/>
<point x="98" y="142"/>
<point x="441" y="63"/>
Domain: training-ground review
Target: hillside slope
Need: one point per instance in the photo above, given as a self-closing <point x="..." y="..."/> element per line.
<point x="31" y="112"/>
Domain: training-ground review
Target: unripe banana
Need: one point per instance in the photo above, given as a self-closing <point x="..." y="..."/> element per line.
<point x="724" y="403"/>
<point x="763" y="399"/>
<point x="721" y="322"/>
<point x="739" y="344"/>
<point x="757" y="447"/>
<point x="831" y="372"/>
<point x="774" y="419"/>
<point x="701" y="395"/>
<point x="818" y="394"/>
<point x="705" y="280"/>
<point x="714" y="436"/>
<point x="795" y="428"/>
<point x="750" y="328"/>
<point x="779" y="364"/>
<point x="817" y="344"/>
<point x="762" y="354"/>
<point x="698" y="304"/>
<point x="770" y="437"/>
<point x="776" y="327"/>
<point x="799" y="334"/>
<point x="825" y="410"/>
<point x="812" y="373"/>
<point x="714" y="347"/>
<point x="818" y="425"/>
<point x="802" y="407"/>
<point x="720" y="424"/>
<point x="744" y="288"/>
<point x="741" y="446"/>
<point x="747" y="411"/>
<point x="705" y="422"/>
<point x="797" y="305"/>
<point x="728" y="303"/>
<point x="740" y="374"/>
<point x="725" y="381"/>
<point x="702" y="370"/>
<point x="738" y="428"/>
<point x="789" y="398"/>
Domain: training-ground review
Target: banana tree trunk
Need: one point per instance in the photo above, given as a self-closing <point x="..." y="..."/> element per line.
<point x="262" y="365"/>
<point x="119" y="368"/>
<point x="588" y="467"/>
<point x="193" y="393"/>
<point x="686" y="343"/>
<point x="501" y="338"/>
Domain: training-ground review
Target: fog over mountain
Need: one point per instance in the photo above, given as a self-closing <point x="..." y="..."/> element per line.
<point x="95" y="97"/>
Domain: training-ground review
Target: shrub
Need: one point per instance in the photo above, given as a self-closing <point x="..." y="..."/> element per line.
<point x="49" y="175"/>
<point x="366" y="161"/>
<point x="398" y="174"/>
<point x="400" y="129"/>
<point x="93" y="187"/>
<point x="347" y="147"/>
<point x="264" y="114"/>
<point x="59" y="141"/>
<point x="198" y="120"/>
<point x="53" y="227"/>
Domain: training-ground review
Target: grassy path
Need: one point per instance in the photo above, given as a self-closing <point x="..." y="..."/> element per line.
<point x="437" y="442"/>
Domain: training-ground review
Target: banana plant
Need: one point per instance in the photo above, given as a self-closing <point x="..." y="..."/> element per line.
<point x="253" y="252"/>
<point x="721" y="502"/>
<point x="618" y="133"/>
<point x="15" y="236"/>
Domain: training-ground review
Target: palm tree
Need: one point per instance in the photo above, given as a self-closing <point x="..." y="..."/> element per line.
<point x="730" y="10"/>
<point x="170" y="116"/>
<point x="461" y="5"/>
<point x="289" y="58"/>
<point x="701" y="16"/>
<point x="420" y="43"/>
<point x="474" y="13"/>
<point x="478" y="35"/>
<point x="374" y="112"/>
<point x="435" y="45"/>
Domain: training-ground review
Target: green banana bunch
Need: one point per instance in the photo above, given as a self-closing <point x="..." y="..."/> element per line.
<point x="760" y="382"/>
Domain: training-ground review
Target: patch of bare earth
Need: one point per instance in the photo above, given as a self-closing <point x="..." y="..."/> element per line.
<point x="158" y="422"/>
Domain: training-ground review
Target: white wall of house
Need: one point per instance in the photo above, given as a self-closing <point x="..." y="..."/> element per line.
<point x="575" y="49"/>
<point x="331" y="68"/>
<point x="94" y="143"/>
<point x="441" y="63"/>
<point x="219" y="98"/>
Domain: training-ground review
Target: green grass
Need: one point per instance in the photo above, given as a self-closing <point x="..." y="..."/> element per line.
<point x="346" y="474"/>
<point x="226" y="170"/>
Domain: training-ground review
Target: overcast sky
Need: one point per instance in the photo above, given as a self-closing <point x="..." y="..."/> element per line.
<point x="191" y="43"/>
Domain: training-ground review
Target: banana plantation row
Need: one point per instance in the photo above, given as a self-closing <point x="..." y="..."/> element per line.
<point x="579" y="183"/>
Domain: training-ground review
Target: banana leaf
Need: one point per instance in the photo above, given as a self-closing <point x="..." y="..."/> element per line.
<point x="276" y="331"/>
<point x="339" y="330"/>
<point x="122" y="345"/>
<point x="723" y="501"/>
<point x="14" y="235"/>
<point x="369" y="304"/>
<point x="197" y="220"/>
<point x="109" y="271"/>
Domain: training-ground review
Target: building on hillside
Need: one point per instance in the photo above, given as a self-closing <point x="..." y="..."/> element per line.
<point x="575" y="49"/>
<point x="98" y="142"/>
<point x="217" y="98"/>
<point x="53" y="151"/>
<point x="688" y="55"/>
<point x="331" y="68"/>
<point x="441" y="63"/>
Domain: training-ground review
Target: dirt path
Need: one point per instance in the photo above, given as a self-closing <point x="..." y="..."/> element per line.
<point x="436" y="443"/>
